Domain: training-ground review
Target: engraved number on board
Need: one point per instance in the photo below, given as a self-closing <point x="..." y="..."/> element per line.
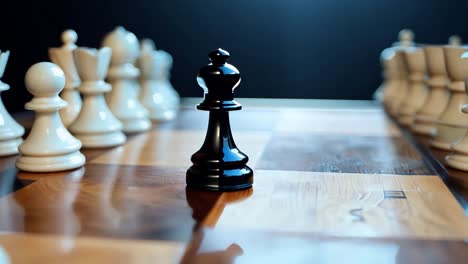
<point x="394" y="195"/>
<point x="357" y="215"/>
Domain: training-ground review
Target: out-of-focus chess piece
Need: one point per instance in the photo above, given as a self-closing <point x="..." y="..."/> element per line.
<point x="394" y="88"/>
<point x="63" y="57"/>
<point x="122" y="75"/>
<point x="459" y="158"/>
<point x="452" y="124"/>
<point x="49" y="146"/>
<point x="95" y="126"/>
<point x="417" y="90"/>
<point x="157" y="93"/>
<point x="10" y="131"/>
<point x="426" y="117"/>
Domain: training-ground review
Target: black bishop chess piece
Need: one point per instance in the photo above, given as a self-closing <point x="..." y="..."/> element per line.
<point x="219" y="165"/>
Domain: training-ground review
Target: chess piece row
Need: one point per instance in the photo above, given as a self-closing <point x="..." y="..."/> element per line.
<point x="103" y="112"/>
<point x="425" y="88"/>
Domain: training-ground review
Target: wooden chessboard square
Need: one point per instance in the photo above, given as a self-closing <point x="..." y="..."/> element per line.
<point x="9" y="182"/>
<point x="343" y="204"/>
<point x="68" y="249"/>
<point x="139" y="202"/>
<point x="173" y="148"/>
<point x="371" y="122"/>
<point x="252" y="246"/>
<point x="299" y="151"/>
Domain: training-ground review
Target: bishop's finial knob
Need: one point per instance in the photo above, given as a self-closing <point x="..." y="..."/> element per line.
<point x="219" y="79"/>
<point x="69" y="38"/>
<point x="219" y="56"/>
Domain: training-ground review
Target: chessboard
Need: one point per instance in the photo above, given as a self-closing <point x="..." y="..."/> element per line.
<point x="334" y="182"/>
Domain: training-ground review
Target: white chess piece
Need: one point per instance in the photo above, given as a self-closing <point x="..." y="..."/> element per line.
<point x="405" y="38"/>
<point x="154" y="94"/>
<point x="395" y="90"/>
<point x="438" y="97"/>
<point x="417" y="90"/>
<point x="63" y="57"/>
<point x="452" y="124"/>
<point x="95" y="126"/>
<point x="10" y="131"/>
<point x="49" y="146"/>
<point x="399" y="90"/>
<point x="459" y="159"/>
<point x="173" y="96"/>
<point x="455" y="40"/>
<point x="122" y="75"/>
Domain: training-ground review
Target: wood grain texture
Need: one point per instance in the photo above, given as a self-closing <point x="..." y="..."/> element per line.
<point x="350" y="122"/>
<point x="48" y="249"/>
<point x="252" y="246"/>
<point x="107" y="201"/>
<point x="173" y="148"/>
<point x="344" y="204"/>
<point x="341" y="153"/>
<point x="330" y="183"/>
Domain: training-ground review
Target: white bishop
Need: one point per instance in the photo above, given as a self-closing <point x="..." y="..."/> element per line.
<point x="63" y="57"/>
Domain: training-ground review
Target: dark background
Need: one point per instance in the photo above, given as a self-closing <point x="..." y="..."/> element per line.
<point x="283" y="48"/>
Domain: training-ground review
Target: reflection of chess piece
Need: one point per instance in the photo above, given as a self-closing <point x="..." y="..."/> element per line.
<point x="10" y="131"/>
<point x="157" y="94"/>
<point x="95" y="126"/>
<point x="122" y="75"/>
<point x="195" y="254"/>
<point x="63" y="57"/>
<point x="58" y="216"/>
<point x="11" y="212"/>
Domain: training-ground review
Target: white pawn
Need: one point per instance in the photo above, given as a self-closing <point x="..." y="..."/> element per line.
<point x="49" y="146"/>
<point x="95" y="126"/>
<point x="154" y="95"/>
<point x="122" y="75"/>
<point x="63" y="57"/>
<point x="10" y="131"/>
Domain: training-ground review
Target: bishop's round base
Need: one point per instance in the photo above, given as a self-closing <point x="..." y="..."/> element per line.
<point x="135" y="125"/>
<point x="102" y="140"/>
<point x="9" y="147"/>
<point x="230" y="180"/>
<point x="51" y="163"/>
<point x="457" y="161"/>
